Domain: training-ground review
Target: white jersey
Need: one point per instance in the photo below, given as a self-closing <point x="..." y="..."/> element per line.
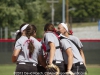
<point x="66" y="43"/>
<point x="76" y="40"/>
<point x="22" y="44"/>
<point x="51" y="37"/>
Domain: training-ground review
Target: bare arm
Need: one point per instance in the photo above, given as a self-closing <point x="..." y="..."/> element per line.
<point x="82" y="54"/>
<point x="70" y="59"/>
<point x="52" y="52"/>
<point x="15" y="55"/>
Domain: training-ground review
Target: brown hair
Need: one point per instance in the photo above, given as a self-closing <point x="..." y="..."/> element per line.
<point x="29" y="31"/>
<point x="49" y="27"/>
<point x="34" y="27"/>
<point x="19" y="33"/>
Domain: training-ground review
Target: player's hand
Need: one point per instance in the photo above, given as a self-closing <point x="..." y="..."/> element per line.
<point x="70" y="73"/>
<point x="52" y="69"/>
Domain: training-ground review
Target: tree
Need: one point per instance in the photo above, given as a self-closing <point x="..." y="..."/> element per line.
<point x="85" y="9"/>
<point x="9" y="16"/>
<point x="15" y="12"/>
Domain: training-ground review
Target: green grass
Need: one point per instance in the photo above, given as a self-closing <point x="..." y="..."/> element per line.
<point x="93" y="70"/>
<point x="9" y="69"/>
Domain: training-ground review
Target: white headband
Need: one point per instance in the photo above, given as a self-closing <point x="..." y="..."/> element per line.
<point x="24" y="27"/>
<point x="65" y="26"/>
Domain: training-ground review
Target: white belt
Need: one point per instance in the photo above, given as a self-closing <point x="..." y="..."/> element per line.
<point x="22" y="63"/>
<point x="81" y="63"/>
<point x="58" y="61"/>
<point x="26" y="63"/>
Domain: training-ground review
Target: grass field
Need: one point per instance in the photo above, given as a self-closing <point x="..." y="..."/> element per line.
<point x="9" y="69"/>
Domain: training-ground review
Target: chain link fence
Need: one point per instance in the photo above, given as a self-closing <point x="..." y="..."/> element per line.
<point x="91" y="50"/>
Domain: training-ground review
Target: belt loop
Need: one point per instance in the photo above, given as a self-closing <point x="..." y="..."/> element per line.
<point x="81" y="63"/>
<point x="34" y="64"/>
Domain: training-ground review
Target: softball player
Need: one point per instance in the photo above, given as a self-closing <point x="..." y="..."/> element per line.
<point x="53" y="47"/>
<point x="80" y="45"/>
<point x="72" y="57"/>
<point x="27" y="52"/>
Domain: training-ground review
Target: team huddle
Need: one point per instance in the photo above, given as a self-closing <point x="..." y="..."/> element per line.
<point x="58" y="53"/>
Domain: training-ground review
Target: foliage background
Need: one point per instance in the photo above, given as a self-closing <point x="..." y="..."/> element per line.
<point x="13" y="13"/>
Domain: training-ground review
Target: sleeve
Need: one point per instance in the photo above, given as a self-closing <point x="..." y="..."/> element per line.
<point x="49" y="38"/>
<point x="65" y="44"/>
<point x="17" y="45"/>
<point x="78" y="42"/>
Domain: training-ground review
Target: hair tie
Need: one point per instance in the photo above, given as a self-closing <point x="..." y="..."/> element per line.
<point x="70" y="32"/>
<point x="54" y="30"/>
<point x="28" y="41"/>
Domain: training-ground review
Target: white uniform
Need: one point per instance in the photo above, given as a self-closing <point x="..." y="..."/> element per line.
<point x="23" y="46"/>
<point x="50" y="37"/>
<point x="77" y="66"/>
<point x="76" y="40"/>
<point x="68" y="44"/>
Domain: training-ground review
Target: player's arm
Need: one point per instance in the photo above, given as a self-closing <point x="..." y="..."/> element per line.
<point x="70" y="59"/>
<point x="52" y="52"/>
<point x="79" y="43"/>
<point x="15" y="55"/>
<point x="83" y="56"/>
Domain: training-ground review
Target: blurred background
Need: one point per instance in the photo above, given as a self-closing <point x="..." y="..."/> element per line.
<point x="82" y="16"/>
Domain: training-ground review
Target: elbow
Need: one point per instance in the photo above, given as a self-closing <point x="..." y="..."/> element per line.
<point x="14" y="59"/>
<point x="70" y="56"/>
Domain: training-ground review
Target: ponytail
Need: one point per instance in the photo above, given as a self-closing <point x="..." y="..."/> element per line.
<point x="29" y="31"/>
<point x="31" y="48"/>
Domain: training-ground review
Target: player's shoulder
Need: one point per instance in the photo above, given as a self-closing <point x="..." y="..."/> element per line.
<point x="35" y="40"/>
<point x="64" y="39"/>
<point x="73" y="37"/>
<point x="49" y="33"/>
<point x="22" y="38"/>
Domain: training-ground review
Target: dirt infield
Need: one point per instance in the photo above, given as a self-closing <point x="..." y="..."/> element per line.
<point x="93" y="65"/>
